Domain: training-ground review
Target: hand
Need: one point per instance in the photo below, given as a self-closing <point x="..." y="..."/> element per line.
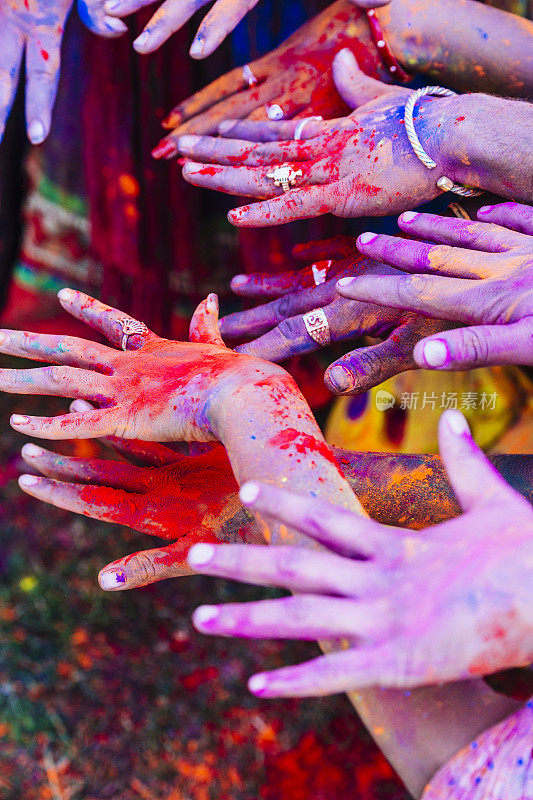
<point x="280" y="328"/>
<point x="184" y="499"/>
<point x="93" y="14"/>
<point x="360" y="165"/>
<point x="161" y="391"/>
<point x="484" y="274"/>
<point x="448" y="603"/>
<point x="295" y="79"/>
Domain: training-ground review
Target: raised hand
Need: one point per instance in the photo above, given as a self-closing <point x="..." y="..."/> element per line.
<point x="448" y="603"/>
<point x="278" y="327"/>
<point x="478" y="273"/>
<point x="295" y="79"/>
<point x="160" y="391"/>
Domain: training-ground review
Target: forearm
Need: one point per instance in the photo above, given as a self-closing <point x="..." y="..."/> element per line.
<point x="464" y="44"/>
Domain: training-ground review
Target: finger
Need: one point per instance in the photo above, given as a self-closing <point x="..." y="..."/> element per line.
<point x="303" y="617"/>
<point x="516" y="216"/>
<point x="474" y="480"/>
<point x="489" y="238"/>
<point x="253" y="181"/>
<point x="169" y="17"/>
<point x="10" y="58"/>
<point x="481" y="345"/>
<point x="93" y="16"/>
<point x="295" y="204"/>
<point x="345" y="532"/>
<point x="269" y="130"/>
<point x="67" y="350"/>
<point x="237" y="152"/>
<point x="43" y="58"/>
<point x="336" y="248"/>
<point x="115" y="474"/>
<point x="137" y="452"/>
<point x="353" y="85"/>
<point x="296" y="569"/>
<point x="204" y="323"/>
<point x="145" y="567"/>
<point x="121" y="8"/>
<point x="370" y="3"/>
<point x="109" y="321"/>
<point x="265" y="284"/>
<point x="410" y="255"/>
<point x="223" y="17"/>
<point x="57" y="382"/>
<point x="91" y="425"/>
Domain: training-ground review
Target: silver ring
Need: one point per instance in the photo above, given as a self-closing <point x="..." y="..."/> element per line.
<point x="248" y="75"/>
<point x="301" y="125"/>
<point x="320" y="273"/>
<point x="130" y="327"/>
<point x="285" y="176"/>
<point x="275" y="112"/>
<point x="317" y="326"/>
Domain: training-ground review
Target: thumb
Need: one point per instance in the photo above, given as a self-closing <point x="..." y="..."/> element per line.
<point x="478" y="346"/>
<point x="353" y="85"/>
<point x="146" y="566"/>
<point x="204" y="323"/>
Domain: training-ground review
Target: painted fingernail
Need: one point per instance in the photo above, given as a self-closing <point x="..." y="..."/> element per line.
<point x="25" y="481"/>
<point x="257" y="684"/>
<point x="249" y="492"/>
<point x="340" y="378"/>
<point x="435" y="353"/>
<point x="165" y="149"/>
<point x="19" y="419"/>
<point x="112" y="579"/>
<point x="204" y="615"/>
<point x="31" y="450"/>
<point x="115" y="25"/>
<point x="200" y="554"/>
<point x="345" y="282"/>
<point x="226" y="126"/>
<point x="186" y="142"/>
<point x="80" y="406"/>
<point x="274" y="112"/>
<point x="456" y="422"/>
<point x="239" y="280"/>
<point x="485" y="209"/>
<point x="65" y="294"/>
<point x="36" y="132"/>
<point x="142" y="40"/>
<point x="197" y="47"/>
<point x="366" y="238"/>
<point x="409" y="216"/>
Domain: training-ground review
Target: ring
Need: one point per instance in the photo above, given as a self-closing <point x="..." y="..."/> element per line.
<point x="129" y="327"/>
<point x="275" y="112"/>
<point x="301" y="125"/>
<point x="320" y="271"/>
<point x="248" y="75"/>
<point x="317" y="326"/>
<point x="285" y="176"/>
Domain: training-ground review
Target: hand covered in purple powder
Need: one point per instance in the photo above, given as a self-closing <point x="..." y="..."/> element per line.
<point x="477" y="273"/>
<point x="444" y="604"/>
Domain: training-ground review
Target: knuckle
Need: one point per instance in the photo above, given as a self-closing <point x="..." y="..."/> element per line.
<point x="283" y="307"/>
<point x="289" y="329"/>
<point x="54" y="376"/>
<point x="411" y="289"/>
<point x="472" y="346"/>
<point x="300" y="609"/>
<point x="442" y="256"/>
<point x="142" y="567"/>
<point x="289" y="563"/>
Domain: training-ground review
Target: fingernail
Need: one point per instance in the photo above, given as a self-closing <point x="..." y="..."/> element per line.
<point x="80" y="406"/>
<point x="111" y="5"/>
<point x="25" y="481"/>
<point x="164" y="149"/>
<point x="65" y="294"/>
<point x="211" y="304"/>
<point x="141" y="40"/>
<point x="226" y="126"/>
<point x="366" y="238"/>
<point x="409" y="216"/>
<point x="249" y="492"/>
<point x="186" y="142"/>
<point x="36" y="132"/>
<point x="31" y="450"/>
<point x="116" y="25"/>
<point x="346" y="56"/>
<point x="19" y="419"/>
<point x="435" y="353"/>
<point x="191" y="168"/>
<point x="485" y="209"/>
<point x="274" y="112"/>
<point x="205" y="614"/>
<point x="345" y="282"/>
<point x="200" y="554"/>
<point x="197" y="47"/>
<point x="340" y="378"/>
<point x="112" y="579"/>
<point x="456" y="422"/>
<point x="239" y="280"/>
<point x="257" y="683"/>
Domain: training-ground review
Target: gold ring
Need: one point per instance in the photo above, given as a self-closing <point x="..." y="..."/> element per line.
<point x="317" y="326"/>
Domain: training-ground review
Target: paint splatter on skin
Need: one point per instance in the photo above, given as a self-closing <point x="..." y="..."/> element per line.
<point x="484" y="274"/>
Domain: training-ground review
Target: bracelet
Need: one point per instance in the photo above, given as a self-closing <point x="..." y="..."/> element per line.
<point x="387" y="56"/>
<point x="443" y="182"/>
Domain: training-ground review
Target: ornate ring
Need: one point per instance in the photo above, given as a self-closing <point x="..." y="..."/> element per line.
<point x="320" y="271"/>
<point x="129" y="327"/>
<point x="275" y="112"/>
<point x="301" y="125"/>
<point x="317" y="326"/>
<point x="248" y="75"/>
<point x="285" y="176"/>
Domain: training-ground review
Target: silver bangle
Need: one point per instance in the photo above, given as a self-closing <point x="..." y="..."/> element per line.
<point x="444" y="183"/>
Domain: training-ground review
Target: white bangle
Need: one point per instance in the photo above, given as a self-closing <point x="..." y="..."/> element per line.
<point x="444" y="183"/>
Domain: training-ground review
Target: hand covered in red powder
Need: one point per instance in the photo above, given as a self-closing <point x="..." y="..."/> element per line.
<point x="355" y="166"/>
<point x="161" y="391"/>
<point x="184" y="499"/>
<point x="444" y="604"/>
<point x="278" y="329"/>
<point x="477" y="273"/>
<point x="294" y="80"/>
